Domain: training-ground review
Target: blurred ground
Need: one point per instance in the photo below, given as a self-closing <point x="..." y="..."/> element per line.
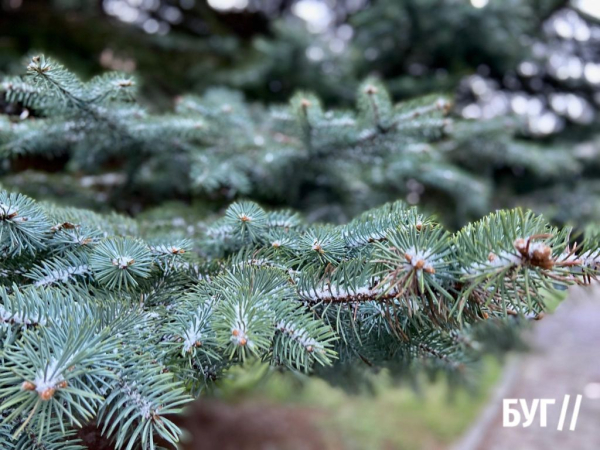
<point x="252" y="426"/>
<point x="565" y="360"/>
<point x="315" y="415"/>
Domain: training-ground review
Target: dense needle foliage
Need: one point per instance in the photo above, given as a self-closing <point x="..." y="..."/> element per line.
<point x="108" y="319"/>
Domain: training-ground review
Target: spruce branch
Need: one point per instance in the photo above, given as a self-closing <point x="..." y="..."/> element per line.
<point x="101" y="321"/>
<point x="22" y="225"/>
<point x="97" y="121"/>
<point x="120" y="263"/>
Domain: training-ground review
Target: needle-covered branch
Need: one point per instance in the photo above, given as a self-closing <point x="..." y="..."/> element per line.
<point x="101" y="321"/>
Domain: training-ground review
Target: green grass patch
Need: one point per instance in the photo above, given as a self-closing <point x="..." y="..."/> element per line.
<point x="389" y="417"/>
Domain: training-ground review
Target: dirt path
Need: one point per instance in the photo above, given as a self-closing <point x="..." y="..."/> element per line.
<point x="566" y="360"/>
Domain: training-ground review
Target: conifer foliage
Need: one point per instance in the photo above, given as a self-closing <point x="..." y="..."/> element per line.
<point x="104" y="319"/>
<point x="117" y="323"/>
<point x="219" y="146"/>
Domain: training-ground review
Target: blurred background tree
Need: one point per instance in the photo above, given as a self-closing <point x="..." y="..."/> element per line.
<point x="272" y="48"/>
